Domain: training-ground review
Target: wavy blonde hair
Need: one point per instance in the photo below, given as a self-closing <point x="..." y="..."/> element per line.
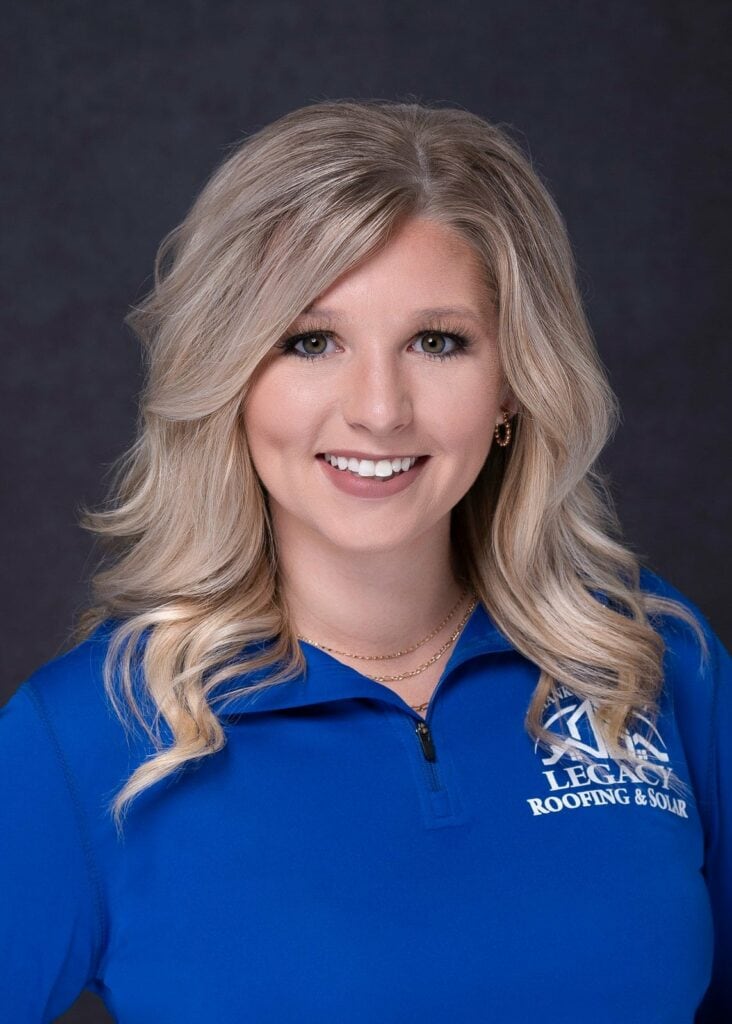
<point x="186" y="523"/>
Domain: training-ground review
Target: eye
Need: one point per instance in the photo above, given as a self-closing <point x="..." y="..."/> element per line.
<point x="319" y="339"/>
<point x="460" y="344"/>
<point x="288" y="344"/>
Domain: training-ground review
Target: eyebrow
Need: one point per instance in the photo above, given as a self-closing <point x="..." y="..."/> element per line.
<point x="436" y="311"/>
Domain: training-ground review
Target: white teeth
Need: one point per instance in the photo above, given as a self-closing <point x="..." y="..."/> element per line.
<point x="368" y="467"/>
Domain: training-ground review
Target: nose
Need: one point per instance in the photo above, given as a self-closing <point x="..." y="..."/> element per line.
<point x="377" y="393"/>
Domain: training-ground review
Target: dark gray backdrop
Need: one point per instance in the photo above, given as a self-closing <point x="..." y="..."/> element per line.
<point x="116" y="113"/>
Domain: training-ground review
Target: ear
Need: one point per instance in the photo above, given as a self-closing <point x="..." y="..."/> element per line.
<point x="509" y="402"/>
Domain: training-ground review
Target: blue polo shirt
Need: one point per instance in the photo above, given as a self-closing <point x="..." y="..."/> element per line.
<point x="343" y="860"/>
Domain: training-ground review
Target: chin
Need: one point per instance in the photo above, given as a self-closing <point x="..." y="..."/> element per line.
<point x="380" y="538"/>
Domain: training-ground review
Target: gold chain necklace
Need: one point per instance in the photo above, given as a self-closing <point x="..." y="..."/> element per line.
<point x="421" y="668"/>
<point x="387" y="657"/>
<point x="450" y="640"/>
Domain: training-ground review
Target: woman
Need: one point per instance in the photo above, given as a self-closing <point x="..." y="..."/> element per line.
<point x="375" y="716"/>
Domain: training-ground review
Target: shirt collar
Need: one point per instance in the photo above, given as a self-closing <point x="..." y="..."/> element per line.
<point x="328" y="679"/>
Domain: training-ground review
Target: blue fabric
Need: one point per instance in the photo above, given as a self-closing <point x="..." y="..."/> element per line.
<point x="320" y="868"/>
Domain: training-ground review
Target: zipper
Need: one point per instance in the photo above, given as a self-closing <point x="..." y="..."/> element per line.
<point x="425" y="738"/>
<point x="427" y="745"/>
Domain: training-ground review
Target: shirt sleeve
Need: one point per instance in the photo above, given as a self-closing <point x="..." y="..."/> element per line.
<point x="717" y="1003"/>
<point x="50" y="921"/>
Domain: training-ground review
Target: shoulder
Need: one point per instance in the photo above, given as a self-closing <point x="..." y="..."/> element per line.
<point x="696" y="661"/>
<point x="70" y="686"/>
<point x="699" y="686"/>
<point x="62" y="708"/>
<point x="685" y="654"/>
<point x="652" y="582"/>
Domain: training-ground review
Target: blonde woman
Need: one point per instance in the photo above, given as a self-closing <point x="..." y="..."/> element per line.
<point x="375" y="717"/>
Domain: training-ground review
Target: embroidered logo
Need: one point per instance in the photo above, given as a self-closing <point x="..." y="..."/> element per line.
<point x="603" y="781"/>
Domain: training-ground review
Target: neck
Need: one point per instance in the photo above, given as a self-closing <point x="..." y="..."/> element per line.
<point x="368" y="602"/>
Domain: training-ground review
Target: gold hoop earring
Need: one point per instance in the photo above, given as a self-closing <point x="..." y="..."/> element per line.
<point x="505" y="439"/>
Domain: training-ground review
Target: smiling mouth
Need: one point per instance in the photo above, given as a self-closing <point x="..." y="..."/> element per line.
<point x="373" y="469"/>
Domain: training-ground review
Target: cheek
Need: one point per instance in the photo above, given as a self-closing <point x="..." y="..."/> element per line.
<point x="269" y="412"/>
<point x="468" y="416"/>
<point x="265" y="435"/>
<point x="257" y="425"/>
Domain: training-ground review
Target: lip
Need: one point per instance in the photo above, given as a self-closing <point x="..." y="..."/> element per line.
<point x="371" y="487"/>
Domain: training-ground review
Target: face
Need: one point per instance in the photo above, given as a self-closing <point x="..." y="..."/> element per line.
<point x="385" y="379"/>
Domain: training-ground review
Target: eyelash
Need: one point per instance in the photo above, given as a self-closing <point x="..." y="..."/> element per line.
<point x="463" y="342"/>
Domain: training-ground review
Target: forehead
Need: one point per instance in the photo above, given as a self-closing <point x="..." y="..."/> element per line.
<point x="425" y="269"/>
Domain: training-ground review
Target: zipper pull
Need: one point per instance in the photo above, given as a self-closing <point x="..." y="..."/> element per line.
<point x="425" y="738"/>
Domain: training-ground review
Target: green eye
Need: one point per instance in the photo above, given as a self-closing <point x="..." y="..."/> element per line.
<point x="287" y="345"/>
<point x="460" y="344"/>
<point x="433" y="338"/>
<point x="316" y="337"/>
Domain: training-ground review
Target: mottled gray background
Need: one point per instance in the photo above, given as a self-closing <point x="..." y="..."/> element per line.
<point x="115" y="114"/>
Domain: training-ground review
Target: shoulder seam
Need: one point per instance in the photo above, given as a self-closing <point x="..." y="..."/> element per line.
<point x="81" y="826"/>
